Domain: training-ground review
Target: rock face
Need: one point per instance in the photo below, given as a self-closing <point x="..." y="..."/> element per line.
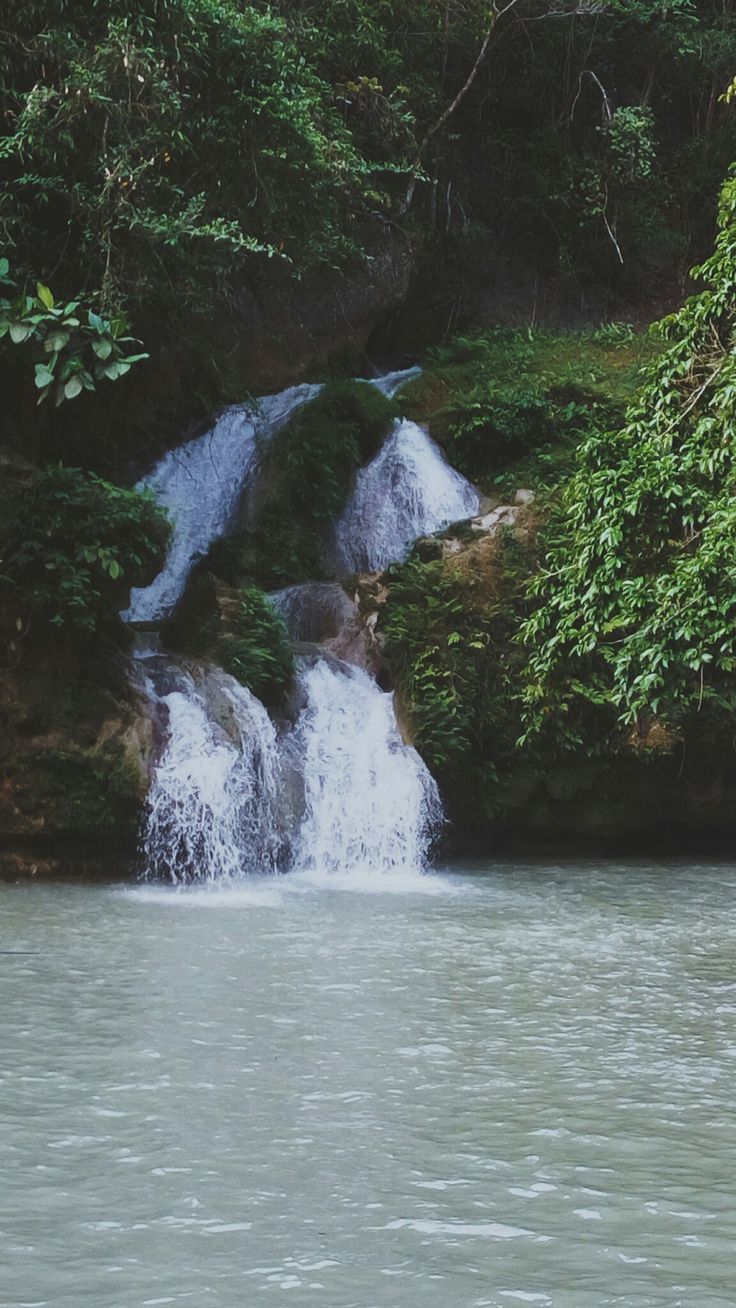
<point x="73" y="772"/>
<point x="292" y="329"/>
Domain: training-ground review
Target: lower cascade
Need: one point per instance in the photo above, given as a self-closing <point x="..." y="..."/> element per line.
<point x="336" y="792"/>
<point x="371" y="804"/>
<point x="213" y="803"/>
<point x="328" y="788"/>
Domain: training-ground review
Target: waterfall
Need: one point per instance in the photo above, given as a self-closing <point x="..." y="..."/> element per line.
<point x="371" y="805"/>
<point x="331" y="789"/>
<point x="215" y="798"/>
<point x="407" y="491"/>
<point x="201" y="484"/>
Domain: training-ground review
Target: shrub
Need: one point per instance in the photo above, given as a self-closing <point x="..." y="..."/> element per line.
<point x="505" y="398"/>
<point x="449" y="627"/>
<point x="73" y="547"/>
<point x="638" y="593"/>
<point x="256" y="650"/>
<point x="239" y="630"/>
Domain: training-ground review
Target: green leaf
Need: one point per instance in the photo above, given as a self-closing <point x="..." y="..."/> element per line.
<point x="44" y="376"/>
<point x="19" y="332"/>
<point x="73" y="387"/>
<point x="103" y="349"/>
<point x="56" y="340"/>
<point x="44" y="295"/>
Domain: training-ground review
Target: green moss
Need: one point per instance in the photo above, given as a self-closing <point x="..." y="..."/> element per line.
<point x="510" y="407"/>
<point x="239" y="630"/>
<point x="64" y="789"/>
<point x="307" y="468"/>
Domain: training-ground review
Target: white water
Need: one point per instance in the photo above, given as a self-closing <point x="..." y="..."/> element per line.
<point x="337" y="792"/>
<point x="407" y="491"/>
<point x="213" y="806"/>
<point x="371" y="805"/>
<point x="201" y="484"/>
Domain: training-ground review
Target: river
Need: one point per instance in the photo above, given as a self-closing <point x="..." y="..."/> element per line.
<point x="496" y="1085"/>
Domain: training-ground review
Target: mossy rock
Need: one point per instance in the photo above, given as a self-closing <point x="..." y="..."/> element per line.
<point x="307" y="471"/>
<point x="237" y="629"/>
<point x="62" y="790"/>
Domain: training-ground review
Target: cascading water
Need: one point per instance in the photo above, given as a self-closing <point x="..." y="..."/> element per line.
<point x="407" y="491"/>
<point x="201" y="484"/>
<point x="371" y="805"/>
<point x="335" y="790"/>
<point x="214" y="803"/>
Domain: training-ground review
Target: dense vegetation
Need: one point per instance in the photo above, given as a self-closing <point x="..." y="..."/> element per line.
<point x="160" y="155"/>
<point x="237" y="629"/>
<point x="638" y="613"/>
<point x="71" y="546"/>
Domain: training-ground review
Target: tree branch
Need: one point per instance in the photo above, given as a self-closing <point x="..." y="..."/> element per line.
<point x="452" y="106"/>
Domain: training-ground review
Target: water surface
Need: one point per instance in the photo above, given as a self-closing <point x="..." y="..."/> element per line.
<point x="498" y="1086"/>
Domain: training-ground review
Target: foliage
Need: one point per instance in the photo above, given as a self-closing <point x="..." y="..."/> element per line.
<point x="73" y="348"/>
<point x="157" y="145"/>
<point x="154" y="147"/>
<point x="505" y="402"/>
<point x="449" y="627"/>
<point x="307" y="468"/>
<point x="256" y="650"/>
<point x="72" y="548"/>
<point x="637" y="614"/>
<point x="239" y="630"/>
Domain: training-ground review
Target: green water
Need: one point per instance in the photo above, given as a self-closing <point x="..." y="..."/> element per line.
<point x="505" y="1085"/>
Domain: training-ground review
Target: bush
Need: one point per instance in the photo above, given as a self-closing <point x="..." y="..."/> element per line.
<point x="638" y="594"/>
<point x="504" y="399"/>
<point x="449" y="627"/>
<point x="239" y="630"/>
<point x="73" y="547"/>
<point x="257" y="650"/>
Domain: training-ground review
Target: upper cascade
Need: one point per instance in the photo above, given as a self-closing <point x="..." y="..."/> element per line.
<point x="407" y="491"/>
<point x="201" y="484"/>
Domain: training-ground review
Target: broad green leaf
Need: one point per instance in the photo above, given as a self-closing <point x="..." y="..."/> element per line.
<point x="44" y="295"/>
<point x="44" y="376"/>
<point x="19" y="332"/>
